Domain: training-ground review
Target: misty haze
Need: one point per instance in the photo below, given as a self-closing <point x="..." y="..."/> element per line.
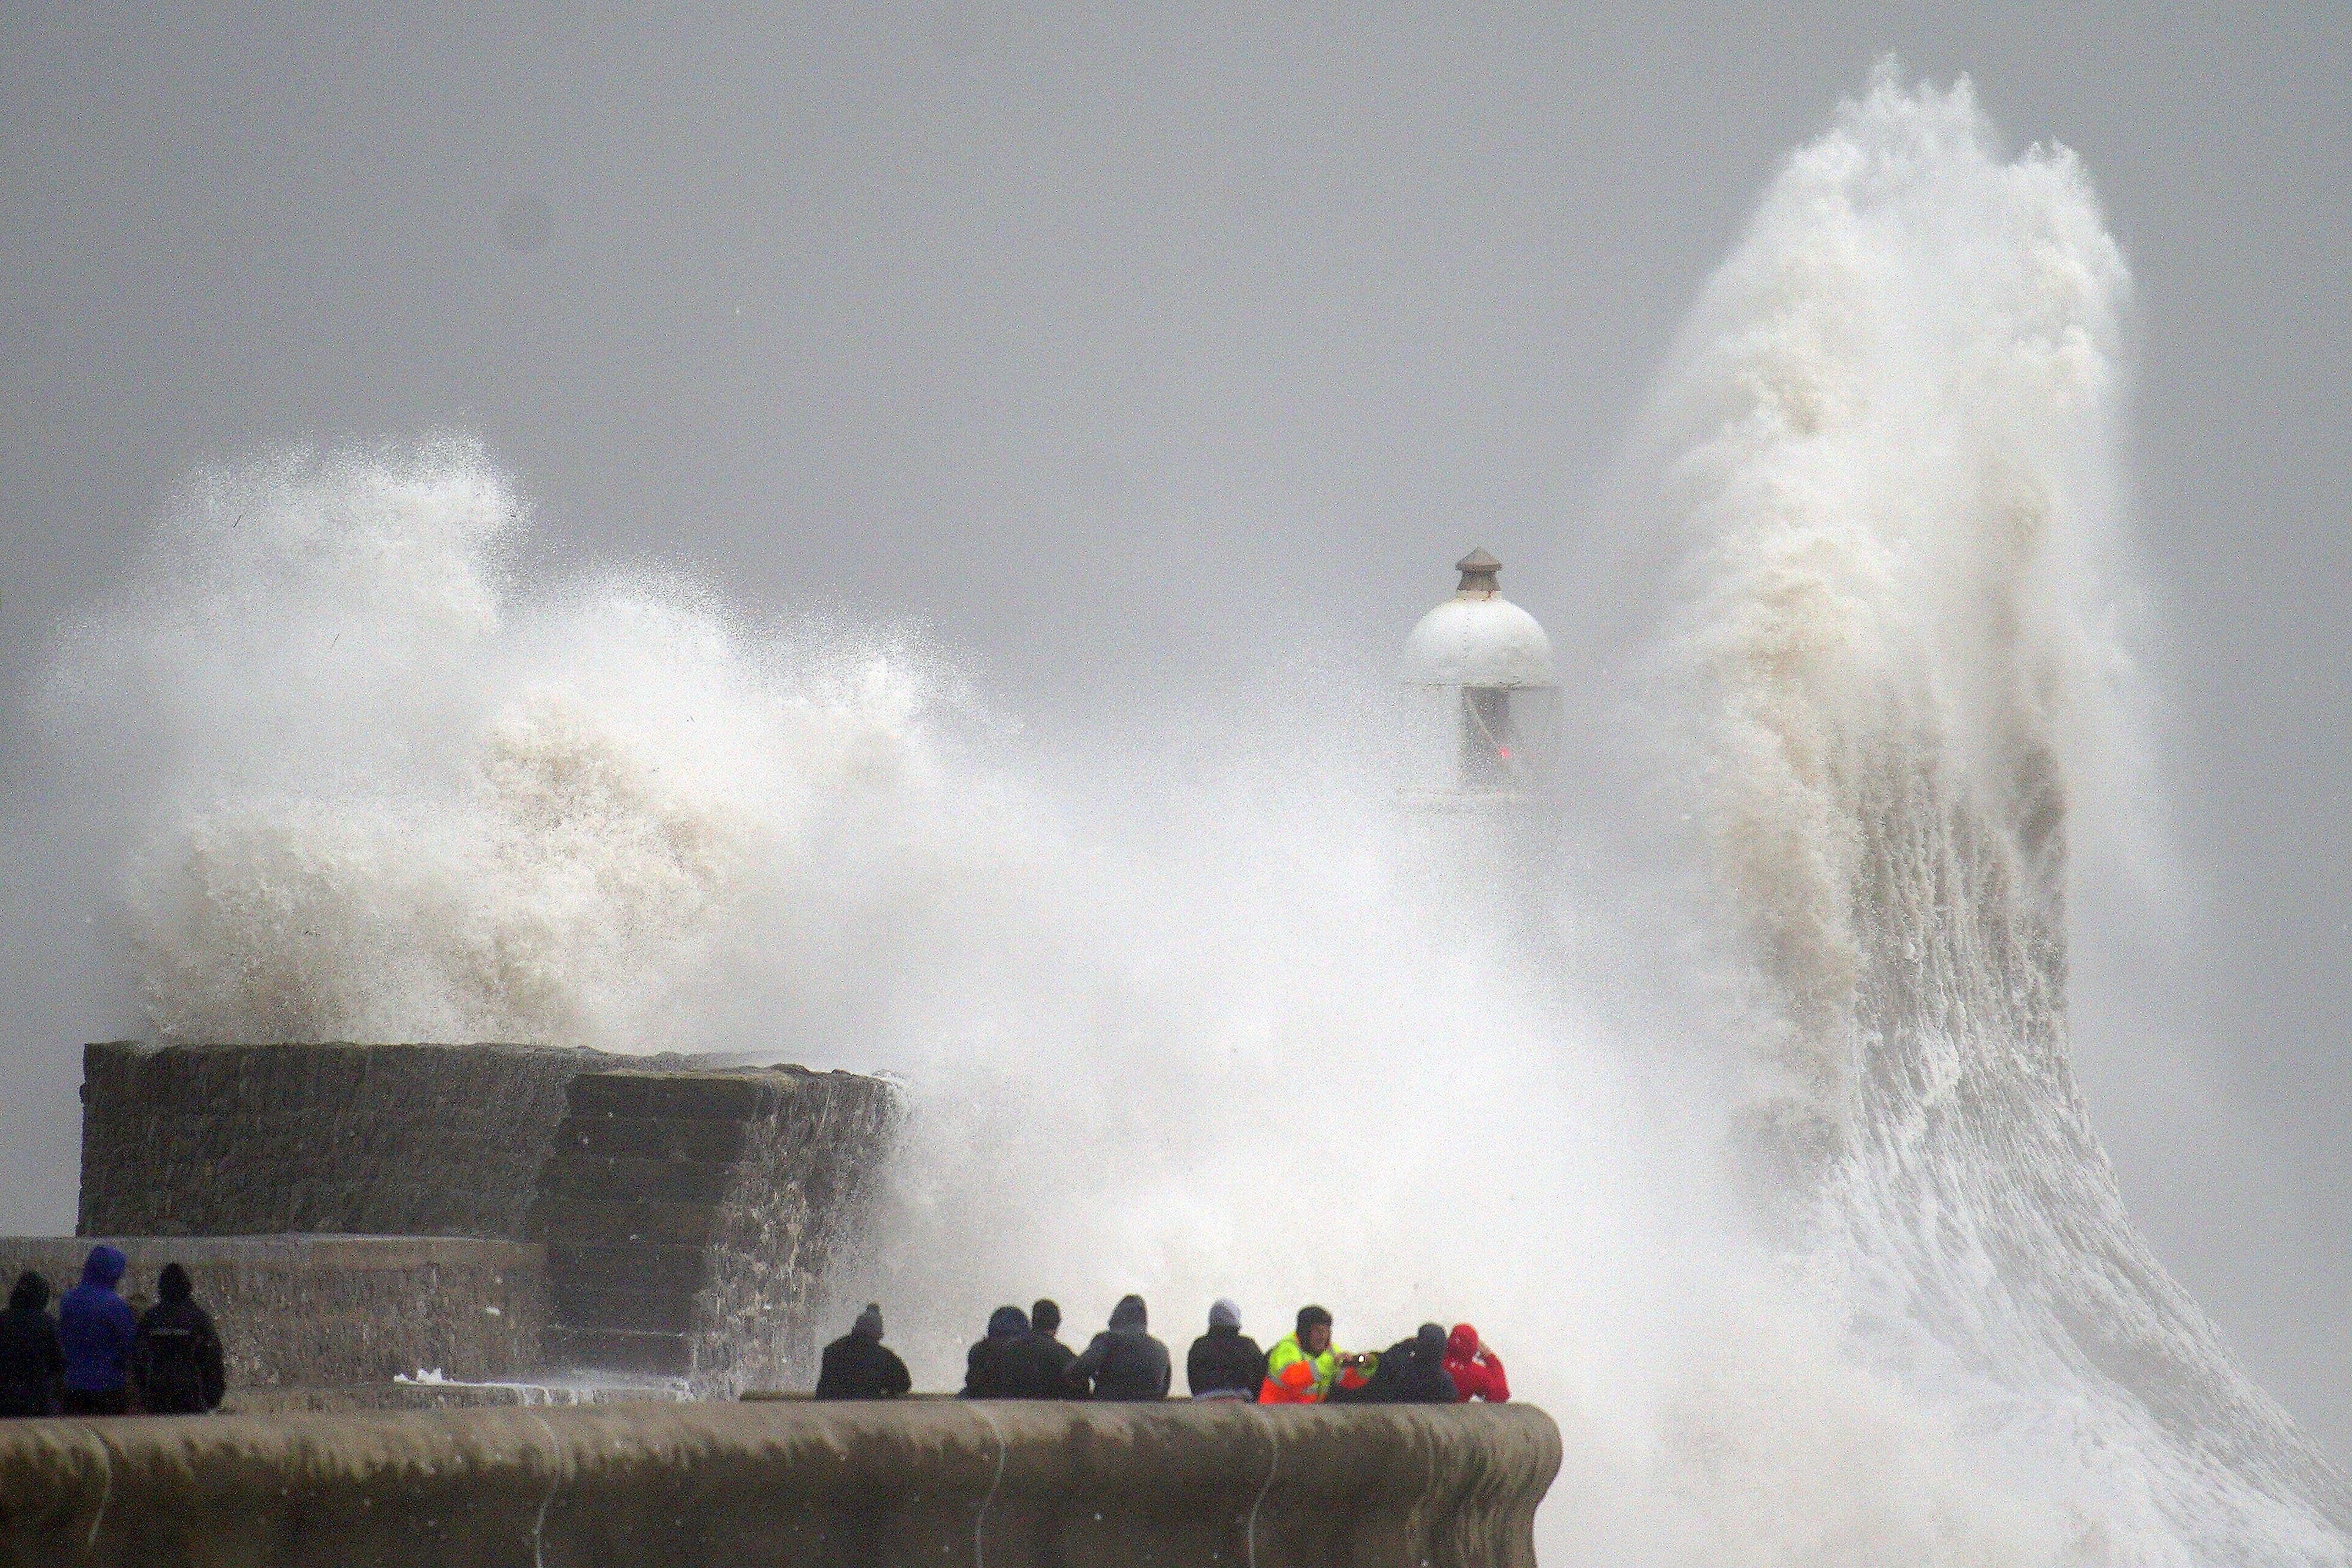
<point x="892" y="540"/>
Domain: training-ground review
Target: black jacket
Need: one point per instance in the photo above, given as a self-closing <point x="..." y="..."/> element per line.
<point x="988" y="1371"/>
<point x="856" y="1367"/>
<point x="1035" y="1369"/>
<point x="1225" y="1358"/>
<point x="176" y="1362"/>
<point x="32" y="1363"/>
<point x="1124" y="1363"/>
<point x="1412" y="1372"/>
<point x="983" y="1369"/>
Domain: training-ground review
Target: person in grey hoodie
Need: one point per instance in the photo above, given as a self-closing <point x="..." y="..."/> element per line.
<point x="1124" y="1362"/>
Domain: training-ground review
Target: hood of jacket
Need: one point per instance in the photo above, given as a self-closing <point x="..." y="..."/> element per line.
<point x="31" y="1294"/>
<point x="104" y="1267"/>
<point x="1007" y="1322"/>
<point x="1461" y="1345"/>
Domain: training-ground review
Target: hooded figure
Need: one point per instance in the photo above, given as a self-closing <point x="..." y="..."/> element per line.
<point x="32" y="1361"/>
<point x="857" y="1367"/>
<point x="1034" y="1362"/>
<point x="1410" y="1371"/>
<point x="1225" y="1362"/>
<point x="97" y="1329"/>
<point x="176" y="1362"/>
<point x="1477" y="1372"/>
<point x="987" y="1368"/>
<point x="1124" y="1362"/>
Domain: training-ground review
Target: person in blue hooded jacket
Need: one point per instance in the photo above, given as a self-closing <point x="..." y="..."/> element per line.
<point x="99" y="1329"/>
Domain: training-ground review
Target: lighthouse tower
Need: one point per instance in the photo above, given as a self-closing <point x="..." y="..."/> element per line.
<point x="1483" y="700"/>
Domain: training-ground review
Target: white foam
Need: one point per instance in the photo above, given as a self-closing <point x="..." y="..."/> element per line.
<point x="1887" y="448"/>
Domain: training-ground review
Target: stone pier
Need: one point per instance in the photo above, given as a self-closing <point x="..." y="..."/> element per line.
<point x="944" y="1484"/>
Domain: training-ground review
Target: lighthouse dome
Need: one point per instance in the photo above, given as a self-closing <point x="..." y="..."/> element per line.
<point x="1482" y="707"/>
<point x="1478" y="638"/>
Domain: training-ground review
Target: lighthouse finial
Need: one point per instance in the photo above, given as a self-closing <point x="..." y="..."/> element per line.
<point x="1478" y="569"/>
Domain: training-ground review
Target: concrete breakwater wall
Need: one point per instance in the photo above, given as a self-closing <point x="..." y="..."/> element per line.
<point x="683" y="1213"/>
<point x="329" y="1310"/>
<point x="733" y="1485"/>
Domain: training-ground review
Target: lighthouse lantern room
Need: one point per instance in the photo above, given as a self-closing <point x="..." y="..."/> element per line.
<point x="1483" y="699"/>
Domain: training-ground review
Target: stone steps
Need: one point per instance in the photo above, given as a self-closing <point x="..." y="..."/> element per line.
<point x="629" y="1202"/>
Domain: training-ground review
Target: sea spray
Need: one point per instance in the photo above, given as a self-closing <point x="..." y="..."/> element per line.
<point x="396" y="790"/>
<point x="1196" y="1032"/>
<point x="399" y="786"/>
<point x="1886" y="448"/>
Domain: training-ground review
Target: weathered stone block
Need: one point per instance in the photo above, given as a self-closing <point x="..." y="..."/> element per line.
<point x="330" y="1309"/>
<point x="622" y="1304"/>
<point x="727" y="1096"/>
<point x="640" y="1352"/>
<point x="239" y="1140"/>
<point x="580" y="1176"/>
<point x="680" y="1267"/>
<point x="693" y="1208"/>
<point x="588" y="1222"/>
<point x="653" y="1137"/>
<point x="762" y="1227"/>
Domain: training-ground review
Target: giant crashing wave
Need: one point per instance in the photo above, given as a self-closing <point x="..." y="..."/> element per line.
<point x="1885" y="449"/>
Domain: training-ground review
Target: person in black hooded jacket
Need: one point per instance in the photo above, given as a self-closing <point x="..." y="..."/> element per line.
<point x="989" y="1371"/>
<point x="1124" y="1362"/>
<point x="859" y="1365"/>
<point x="1034" y="1364"/>
<point x="1225" y="1362"/>
<point x="176" y="1362"/>
<point x="32" y="1358"/>
<point x="1412" y="1372"/>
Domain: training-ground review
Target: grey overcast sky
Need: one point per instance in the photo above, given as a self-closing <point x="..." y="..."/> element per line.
<point x="951" y="311"/>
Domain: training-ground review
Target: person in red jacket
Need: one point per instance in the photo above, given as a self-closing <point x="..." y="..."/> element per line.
<point x="1477" y="1372"/>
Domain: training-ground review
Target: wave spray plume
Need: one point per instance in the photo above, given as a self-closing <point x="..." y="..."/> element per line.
<point x="1887" y="452"/>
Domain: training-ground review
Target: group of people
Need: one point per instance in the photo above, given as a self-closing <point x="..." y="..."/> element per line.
<point x="96" y="1355"/>
<point x="1022" y="1357"/>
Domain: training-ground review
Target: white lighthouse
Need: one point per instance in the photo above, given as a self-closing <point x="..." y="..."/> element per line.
<point x="1483" y="700"/>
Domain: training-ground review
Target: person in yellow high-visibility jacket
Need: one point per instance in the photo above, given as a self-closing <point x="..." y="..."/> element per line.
<point x="1302" y="1367"/>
